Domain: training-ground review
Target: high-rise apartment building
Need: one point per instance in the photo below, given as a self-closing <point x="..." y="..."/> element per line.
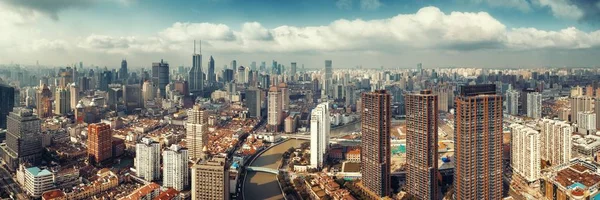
<point x="147" y="159"/>
<point x="319" y="135"/>
<point x="375" y="142"/>
<point x="579" y="104"/>
<point x="7" y="102"/>
<point x="195" y="75"/>
<point x="197" y="132"/>
<point x="216" y="171"/>
<point x="99" y="142"/>
<point x="555" y="141"/>
<point x="421" y="145"/>
<point x="73" y="95"/>
<point x="147" y="92"/>
<point x="327" y="80"/>
<point x="285" y="96"/>
<point x="525" y="152"/>
<point x="175" y="168"/>
<point x="534" y="105"/>
<point x="275" y="109"/>
<point x="160" y="76"/>
<point x="23" y="138"/>
<point x="512" y="102"/>
<point x="586" y="122"/>
<point x="597" y="111"/>
<point x="478" y="143"/>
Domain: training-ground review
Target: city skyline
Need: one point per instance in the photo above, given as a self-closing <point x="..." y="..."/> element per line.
<point x="369" y="33"/>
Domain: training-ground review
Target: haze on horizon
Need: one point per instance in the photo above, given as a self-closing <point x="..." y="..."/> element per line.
<point x="370" y="33"/>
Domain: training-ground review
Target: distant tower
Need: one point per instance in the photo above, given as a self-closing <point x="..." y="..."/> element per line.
<point x="160" y="77"/>
<point x="375" y="143"/>
<point x="421" y="145"/>
<point x="478" y="117"/>
<point x="197" y="132"/>
<point x="147" y="92"/>
<point x="175" y="168"/>
<point x="319" y="135"/>
<point x="534" y="105"/>
<point x="74" y="95"/>
<point x="123" y="74"/>
<point x="44" y="102"/>
<point x="512" y="102"/>
<point x="62" y="101"/>
<point x="327" y="79"/>
<point x="211" y="71"/>
<point x="254" y="101"/>
<point x="195" y="75"/>
<point x="147" y="159"/>
<point x="234" y="65"/>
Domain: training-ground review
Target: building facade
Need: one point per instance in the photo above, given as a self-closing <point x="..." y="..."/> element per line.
<point x="275" y="109"/>
<point x="556" y="141"/>
<point x="478" y="143"/>
<point x="99" y="142"/>
<point x="160" y="76"/>
<point x="534" y="105"/>
<point x="23" y="138"/>
<point x="421" y="145"/>
<point x="525" y="152"/>
<point x="147" y="159"/>
<point x="217" y="171"/>
<point x="375" y="142"/>
<point x="319" y="135"/>
<point x="175" y="168"/>
<point x="195" y="75"/>
<point x="7" y="102"/>
<point x="512" y="102"/>
<point x="197" y="132"/>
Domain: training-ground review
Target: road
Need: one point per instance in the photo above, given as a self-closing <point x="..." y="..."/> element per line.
<point x="7" y="183"/>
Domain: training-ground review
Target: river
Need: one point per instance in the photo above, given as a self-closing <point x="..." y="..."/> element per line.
<point x="261" y="185"/>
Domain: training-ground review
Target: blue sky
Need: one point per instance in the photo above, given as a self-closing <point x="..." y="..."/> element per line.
<point x="372" y="33"/>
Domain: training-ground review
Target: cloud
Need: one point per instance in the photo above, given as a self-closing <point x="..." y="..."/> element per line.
<point x="370" y="4"/>
<point x="180" y="32"/>
<point x="562" y="8"/>
<point x="51" y="8"/>
<point x="344" y="4"/>
<point x="569" y="38"/>
<point x="124" y="45"/>
<point x="255" y="31"/>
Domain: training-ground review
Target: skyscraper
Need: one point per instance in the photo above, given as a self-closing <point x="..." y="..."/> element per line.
<point x="44" y="101"/>
<point x="62" y="101"/>
<point x="579" y="104"/>
<point x="285" y="96"/>
<point x="597" y="111"/>
<point x="99" y="142"/>
<point x="375" y="142"/>
<point x="147" y="159"/>
<point x="211" y="71"/>
<point x="23" y="138"/>
<point x="132" y="97"/>
<point x="534" y="105"/>
<point x="556" y="141"/>
<point x="160" y="76"/>
<point x="147" y="92"/>
<point x="293" y="71"/>
<point x="275" y="109"/>
<point x="7" y="102"/>
<point x="421" y="145"/>
<point x="196" y="129"/>
<point x="195" y="75"/>
<point x="175" y="168"/>
<point x="254" y="102"/>
<point x="73" y="95"/>
<point x="512" y="102"/>
<point x="525" y="152"/>
<point x="233" y="65"/>
<point x="478" y="143"/>
<point x="327" y="80"/>
<point x="217" y="171"/>
<point x="123" y="74"/>
<point x="319" y="135"/>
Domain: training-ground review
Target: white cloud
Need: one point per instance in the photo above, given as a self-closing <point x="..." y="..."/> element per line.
<point x="125" y="45"/>
<point x="255" y="31"/>
<point x="180" y="32"/>
<point x="370" y="4"/>
<point x="569" y="38"/>
<point x="561" y="8"/>
<point x="522" y="5"/>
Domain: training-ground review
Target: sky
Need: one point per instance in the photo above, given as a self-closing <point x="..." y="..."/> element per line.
<point x="368" y="33"/>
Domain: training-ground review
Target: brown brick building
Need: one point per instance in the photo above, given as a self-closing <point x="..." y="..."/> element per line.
<point x="375" y="142"/>
<point x="99" y="142"/>
<point x="421" y="145"/>
<point x="478" y="143"/>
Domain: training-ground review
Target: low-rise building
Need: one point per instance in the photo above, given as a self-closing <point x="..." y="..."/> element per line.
<point x="35" y="181"/>
<point x="578" y="179"/>
<point x="353" y="155"/>
<point x="103" y="181"/>
<point x="146" y="192"/>
<point x="587" y="145"/>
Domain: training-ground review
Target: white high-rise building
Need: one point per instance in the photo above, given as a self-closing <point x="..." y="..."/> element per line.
<point x="534" y="105"/>
<point x="196" y="132"/>
<point x="147" y="92"/>
<point x="586" y="122"/>
<point x="275" y="109"/>
<point x="555" y="141"/>
<point x="319" y="134"/>
<point x="512" y="102"/>
<point x="175" y="168"/>
<point x="73" y="94"/>
<point x="147" y="159"/>
<point x="525" y="152"/>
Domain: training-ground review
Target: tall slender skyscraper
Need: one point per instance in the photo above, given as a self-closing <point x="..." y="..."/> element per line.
<point x="233" y="65"/>
<point x="195" y="75"/>
<point x="147" y="159"/>
<point x="597" y="110"/>
<point x="62" y="101"/>
<point x="327" y="80"/>
<point x="123" y="74"/>
<point x="211" y="71"/>
<point x="160" y="76"/>
<point x="275" y="109"/>
<point x="23" y="138"/>
<point x="44" y="101"/>
<point x="319" y="135"/>
<point x="196" y="129"/>
<point x="512" y="102"/>
<point x="175" y="168"/>
<point x="254" y="102"/>
<point x="534" y="105"/>
<point x="375" y="142"/>
<point x="421" y="145"/>
<point x="478" y="143"/>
